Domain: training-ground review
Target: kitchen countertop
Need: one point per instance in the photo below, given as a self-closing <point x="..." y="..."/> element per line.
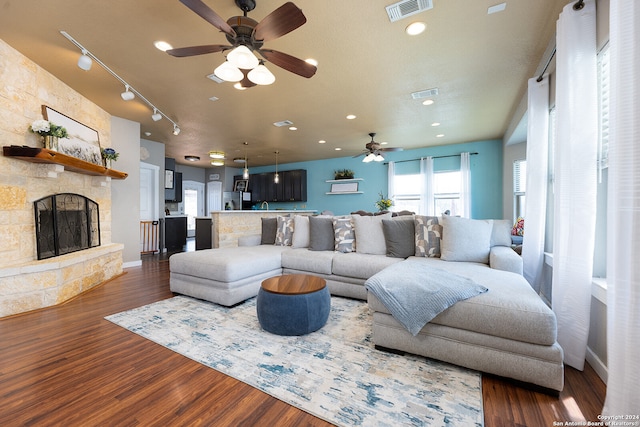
<point x="265" y="211"/>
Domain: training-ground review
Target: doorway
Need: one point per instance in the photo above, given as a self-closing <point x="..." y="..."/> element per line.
<point x="193" y="201"/>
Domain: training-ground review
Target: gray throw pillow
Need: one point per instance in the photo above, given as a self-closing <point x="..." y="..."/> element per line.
<point x="399" y="238"/>
<point x="465" y="239"/>
<point x="321" y="233"/>
<point x="300" y="232"/>
<point x="428" y="236"/>
<point x="369" y="234"/>
<point x="269" y="226"/>
<point x="501" y="233"/>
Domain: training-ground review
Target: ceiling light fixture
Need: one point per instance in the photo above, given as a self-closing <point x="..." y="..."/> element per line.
<point x="434" y="124"/>
<point x="293" y="128"/>
<point x="192" y="158"/>
<point x="228" y="72"/>
<point x="261" y="75"/>
<point x="245" y="171"/>
<point x="276" y="177"/>
<point x="415" y="28"/>
<point x="176" y="130"/>
<point x="428" y="102"/>
<point x="127" y="95"/>
<point x="87" y="59"/>
<point x="216" y="155"/>
<point x="217" y="162"/>
<point x="369" y="158"/>
<point x="162" y="45"/>
<point x="351" y="116"/>
<point x="241" y="57"/>
<point x="156" y="116"/>
<point x="311" y="61"/>
<point x="322" y="141"/>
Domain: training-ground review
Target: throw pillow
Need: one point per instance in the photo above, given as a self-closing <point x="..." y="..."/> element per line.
<point x="399" y="238"/>
<point x="428" y="236"/>
<point x="518" y="227"/>
<point x="369" y="234"/>
<point x="284" y="231"/>
<point x="321" y="236"/>
<point x="344" y="235"/>
<point x="465" y="239"/>
<point x="269" y="226"/>
<point x="300" y="231"/>
<point x="501" y="233"/>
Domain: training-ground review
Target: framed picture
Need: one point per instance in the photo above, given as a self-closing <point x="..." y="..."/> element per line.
<point x="82" y="143"/>
<point x="347" y="187"/>
<point x="168" y="179"/>
<point x="240" y="185"/>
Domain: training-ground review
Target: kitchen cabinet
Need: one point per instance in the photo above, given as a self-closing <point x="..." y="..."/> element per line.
<point x="291" y="188"/>
<point x="175" y="232"/>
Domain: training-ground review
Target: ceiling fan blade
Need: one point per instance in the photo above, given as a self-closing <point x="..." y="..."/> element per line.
<point x="209" y="15"/>
<point x="281" y="21"/>
<point x="197" y="50"/>
<point x="361" y="154"/>
<point x="289" y="63"/>
<point x="391" y="149"/>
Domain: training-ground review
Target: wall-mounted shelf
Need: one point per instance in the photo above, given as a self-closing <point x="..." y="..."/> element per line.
<point x="345" y="180"/>
<point x="345" y="192"/>
<point x="43" y="155"/>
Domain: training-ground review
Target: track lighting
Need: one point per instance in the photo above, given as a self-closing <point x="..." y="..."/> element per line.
<point x="85" y="61"/>
<point x="127" y="95"/>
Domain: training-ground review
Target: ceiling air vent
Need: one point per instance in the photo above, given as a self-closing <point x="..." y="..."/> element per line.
<point x="425" y="93"/>
<point x="283" y="123"/>
<point x="402" y="9"/>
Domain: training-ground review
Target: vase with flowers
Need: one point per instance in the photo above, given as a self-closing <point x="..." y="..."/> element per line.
<point x="383" y="203"/>
<point x="108" y="155"/>
<point x="49" y="132"/>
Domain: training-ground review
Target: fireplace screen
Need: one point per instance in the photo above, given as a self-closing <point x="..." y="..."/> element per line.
<point x="66" y="223"/>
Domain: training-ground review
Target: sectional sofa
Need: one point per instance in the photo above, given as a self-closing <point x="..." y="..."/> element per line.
<point x="507" y="330"/>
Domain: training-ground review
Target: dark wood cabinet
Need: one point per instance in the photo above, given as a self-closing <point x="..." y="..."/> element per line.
<point x="175" y="232"/>
<point x="291" y="188"/>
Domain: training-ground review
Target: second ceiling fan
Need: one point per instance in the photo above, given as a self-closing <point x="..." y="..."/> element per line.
<point x="373" y="150"/>
<point x="246" y="36"/>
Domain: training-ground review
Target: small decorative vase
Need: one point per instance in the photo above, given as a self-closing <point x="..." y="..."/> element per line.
<point x="107" y="163"/>
<point x="50" y="142"/>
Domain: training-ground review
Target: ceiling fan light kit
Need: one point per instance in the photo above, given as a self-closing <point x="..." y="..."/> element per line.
<point x="373" y="151"/>
<point x="228" y="72"/>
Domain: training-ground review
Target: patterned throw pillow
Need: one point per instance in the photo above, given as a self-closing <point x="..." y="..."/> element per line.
<point x="344" y="235"/>
<point x="284" y="231"/>
<point x="428" y="236"/>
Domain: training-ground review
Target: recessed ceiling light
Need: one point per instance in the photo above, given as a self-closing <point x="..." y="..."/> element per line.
<point x="322" y="141"/>
<point x="435" y="124"/>
<point x="496" y="8"/>
<point x="311" y="61"/>
<point x="239" y="86"/>
<point x="351" y="117"/>
<point x="213" y="98"/>
<point x="440" y="135"/>
<point x="415" y="28"/>
<point x="338" y="149"/>
<point x="162" y="45"/>
<point x="293" y="128"/>
<point x="147" y="133"/>
<point x="384" y="143"/>
<point x="428" y="102"/>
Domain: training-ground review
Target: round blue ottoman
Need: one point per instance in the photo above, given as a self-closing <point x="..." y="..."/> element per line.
<point x="294" y="304"/>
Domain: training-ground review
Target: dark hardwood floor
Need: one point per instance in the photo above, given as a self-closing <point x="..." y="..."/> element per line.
<point x="68" y="366"/>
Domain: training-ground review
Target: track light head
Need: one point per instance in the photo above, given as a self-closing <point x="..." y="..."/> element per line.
<point x="156" y="116"/>
<point x="127" y="95"/>
<point x="85" y="61"/>
<point x="176" y="130"/>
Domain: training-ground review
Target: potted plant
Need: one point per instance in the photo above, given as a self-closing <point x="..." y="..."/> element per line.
<point x="109" y="154"/>
<point x="49" y="132"/>
<point x="383" y="203"/>
<point x="343" y="174"/>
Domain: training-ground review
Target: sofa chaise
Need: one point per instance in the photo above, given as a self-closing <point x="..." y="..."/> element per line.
<point x="507" y="331"/>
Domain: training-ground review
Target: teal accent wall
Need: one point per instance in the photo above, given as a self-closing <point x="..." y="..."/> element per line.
<point x="486" y="178"/>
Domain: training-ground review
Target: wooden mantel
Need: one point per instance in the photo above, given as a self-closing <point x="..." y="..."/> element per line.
<point x="43" y="155"/>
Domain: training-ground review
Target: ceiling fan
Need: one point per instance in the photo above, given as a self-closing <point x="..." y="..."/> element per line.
<point x="373" y="151"/>
<point x="246" y="36"/>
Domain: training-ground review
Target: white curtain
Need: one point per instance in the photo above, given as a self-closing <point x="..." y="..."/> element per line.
<point x="575" y="178"/>
<point x="391" y="182"/>
<point x="465" y="190"/>
<point x="623" y="216"/>
<point x="426" y="197"/>
<point x="536" y="202"/>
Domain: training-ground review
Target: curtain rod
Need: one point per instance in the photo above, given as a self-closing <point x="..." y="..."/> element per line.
<point x="577" y="6"/>
<point x="433" y="157"/>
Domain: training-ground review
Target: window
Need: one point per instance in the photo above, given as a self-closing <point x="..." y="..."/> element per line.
<point x="446" y="192"/>
<point x="407" y="193"/>
<point x="603" y="106"/>
<point x="519" y="187"/>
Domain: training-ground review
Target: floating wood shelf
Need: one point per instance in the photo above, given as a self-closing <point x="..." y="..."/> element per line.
<point x="43" y="155"/>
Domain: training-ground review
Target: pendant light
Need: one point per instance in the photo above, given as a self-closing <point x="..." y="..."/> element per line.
<point x="276" y="177"/>
<point x="245" y="171"/>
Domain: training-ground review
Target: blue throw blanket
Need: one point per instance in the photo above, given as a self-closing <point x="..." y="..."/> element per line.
<point x="415" y="293"/>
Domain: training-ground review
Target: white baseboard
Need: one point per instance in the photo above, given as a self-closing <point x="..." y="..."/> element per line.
<point x="132" y="264"/>
<point x="597" y="365"/>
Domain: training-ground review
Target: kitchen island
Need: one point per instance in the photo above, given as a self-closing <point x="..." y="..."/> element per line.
<point x="228" y="226"/>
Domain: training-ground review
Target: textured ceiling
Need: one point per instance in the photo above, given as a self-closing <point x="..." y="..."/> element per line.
<point x="368" y="66"/>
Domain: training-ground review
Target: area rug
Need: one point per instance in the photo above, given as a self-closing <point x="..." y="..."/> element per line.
<point x="335" y="373"/>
